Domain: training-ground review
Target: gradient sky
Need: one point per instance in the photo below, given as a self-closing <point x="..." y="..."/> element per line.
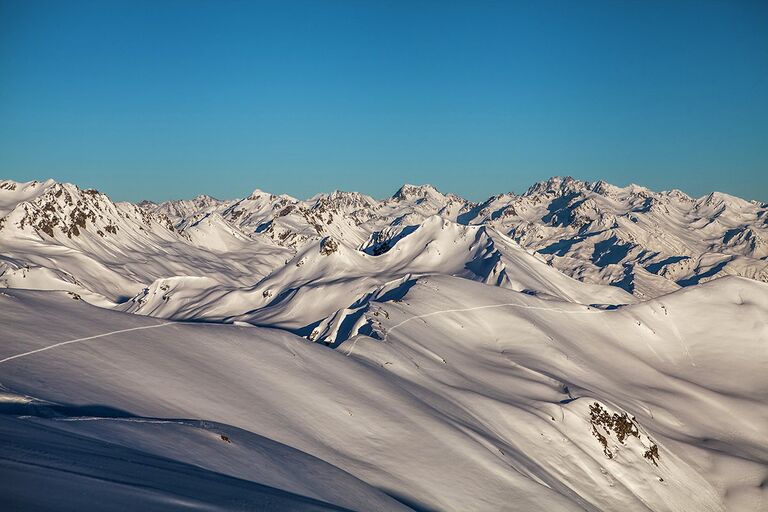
<point x="164" y="99"/>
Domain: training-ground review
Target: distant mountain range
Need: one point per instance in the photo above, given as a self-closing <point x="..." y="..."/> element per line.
<point x="56" y="235"/>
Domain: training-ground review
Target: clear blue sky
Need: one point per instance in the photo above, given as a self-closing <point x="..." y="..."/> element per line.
<point x="169" y="98"/>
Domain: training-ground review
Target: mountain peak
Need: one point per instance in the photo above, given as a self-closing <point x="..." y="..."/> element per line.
<point x="408" y="191"/>
<point x="146" y="204"/>
<point x="557" y="185"/>
<point x="258" y="193"/>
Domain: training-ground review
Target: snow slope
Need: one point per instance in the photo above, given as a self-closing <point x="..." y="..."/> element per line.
<point x="129" y="463"/>
<point x="322" y="277"/>
<point x="466" y="397"/>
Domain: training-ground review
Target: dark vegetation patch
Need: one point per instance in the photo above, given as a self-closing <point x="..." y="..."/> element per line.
<point x="621" y="426"/>
<point x="652" y="454"/>
<point x="328" y="246"/>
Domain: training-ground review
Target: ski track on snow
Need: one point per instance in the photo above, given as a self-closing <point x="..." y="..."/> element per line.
<point x="60" y="344"/>
<point x="488" y="306"/>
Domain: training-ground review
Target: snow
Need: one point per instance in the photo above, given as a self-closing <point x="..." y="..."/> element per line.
<point x="578" y="347"/>
<point x="122" y="464"/>
<point x="646" y="243"/>
<point x="461" y="405"/>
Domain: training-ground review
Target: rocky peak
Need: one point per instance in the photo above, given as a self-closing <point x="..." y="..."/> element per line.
<point x="678" y="195"/>
<point x="408" y="191"/>
<point x="204" y="199"/>
<point x="339" y="200"/>
<point x="260" y="194"/>
<point x="557" y="186"/>
<point x="146" y="204"/>
<point x="65" y="209"/>
<point x="604" y="188"/>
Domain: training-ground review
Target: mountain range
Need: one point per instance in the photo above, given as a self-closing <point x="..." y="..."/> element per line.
<point x="579" y="346"/>
<point x="58" y="236"/>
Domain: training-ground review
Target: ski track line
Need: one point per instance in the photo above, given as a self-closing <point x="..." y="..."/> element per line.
<point x="83" y="339"/>
<point x="489" y="306"/>
<point x="157" y="421"/>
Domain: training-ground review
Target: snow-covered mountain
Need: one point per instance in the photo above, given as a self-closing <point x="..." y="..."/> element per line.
<point x="58" y="236"/>
<point x="648" y="243"/>
<point x="577" y="347"/>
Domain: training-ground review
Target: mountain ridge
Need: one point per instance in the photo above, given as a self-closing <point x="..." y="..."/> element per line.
<point x="646" y="242"/>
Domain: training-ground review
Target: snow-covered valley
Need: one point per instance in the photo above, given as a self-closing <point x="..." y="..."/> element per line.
<point x="577" y="347"/>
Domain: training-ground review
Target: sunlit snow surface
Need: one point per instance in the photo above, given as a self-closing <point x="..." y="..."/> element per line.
<point x="408" y="355"/>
